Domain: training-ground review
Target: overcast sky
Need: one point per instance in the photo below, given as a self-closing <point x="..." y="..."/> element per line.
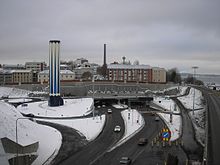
<point x="164" y="33"/>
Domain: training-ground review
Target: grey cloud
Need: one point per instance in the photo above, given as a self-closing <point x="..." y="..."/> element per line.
<point x="154" y="32"/>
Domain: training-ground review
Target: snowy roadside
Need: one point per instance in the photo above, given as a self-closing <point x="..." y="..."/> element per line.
<point x="187" y="100"/>
<point x="134" y="122"/>
<point x="171" y="118"/>
<point x="173" y="91"/>
<point x="71" y="108"/>
<point x="198" y="120"/>
<point x="175" y="126"/>
<point x="198" y="116"/>
<point x="13" y="92"/>
<point x="119" y="106"/>
<point x="88" y="127"/>
<point x="28" y="133"/>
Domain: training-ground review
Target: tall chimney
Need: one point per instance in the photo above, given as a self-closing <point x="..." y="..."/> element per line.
<point x="104" y="55"/>
<point x="54" y="71"/>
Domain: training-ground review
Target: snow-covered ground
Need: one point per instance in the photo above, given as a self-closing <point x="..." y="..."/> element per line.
<point x="180" y="90"/>
<point x="89" y="127"/>
<point x="134" y="122"/>
<point x="175" y="126"/>
<point x="170" y="106"/>
<point x="119" y="106"/>
<point x="28" y="132"/>
<point x="187" y="101"/>
<point x="198" y="120"/>
<point x="166" y="104"/>
<point x="13" y="92"/>
<point x="71" y="108"/>
<point x="18" y="100"/>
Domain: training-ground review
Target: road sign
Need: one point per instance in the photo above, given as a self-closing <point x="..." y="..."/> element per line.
<point x="166" y="135"/>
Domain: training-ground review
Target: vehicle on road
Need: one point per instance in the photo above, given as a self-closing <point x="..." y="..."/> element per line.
<point x="157" y="118"/>
<point x="109" y="111"/>
<point x="142" y="141"/>
<point x="117" y="128"/>
<point x="125" y="160"/>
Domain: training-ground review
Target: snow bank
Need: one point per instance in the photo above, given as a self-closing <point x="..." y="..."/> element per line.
<point x="167" y="104"/>
<point x="180" y="89"/>
<point x="170" y="106"/>
<point x="28" y="132"/>
<point x="199" y="125"/>
<point x="134" y="122"/>
<point x="13" y="92"/>
<point x="71" y="107"/>
<point x="18" y="100"/>
<point x="120" y="106"/>
<point x="89" y="127"/>
<point x="175" y="127"/>
<point x="187" y="101"/>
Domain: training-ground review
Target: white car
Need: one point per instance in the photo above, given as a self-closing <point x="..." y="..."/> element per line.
<point x="109" y="111"/>
<point x="117" y="128"/>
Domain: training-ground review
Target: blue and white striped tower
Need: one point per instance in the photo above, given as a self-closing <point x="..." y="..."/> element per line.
<point x="54" y="64"/>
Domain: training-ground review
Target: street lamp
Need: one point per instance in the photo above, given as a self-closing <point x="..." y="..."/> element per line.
<point x="194" y="73"/>
<point x="93" y="111"/>
<point x="16" y="131"/>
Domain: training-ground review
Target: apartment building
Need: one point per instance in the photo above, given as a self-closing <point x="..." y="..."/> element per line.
<point x="22" y="76"/>
<point x="136" y="73"/>
<point x="124" y="72"/>
<point x="5" y="77"/>
<point x="158" y="75"/>
<point x="35" y="66"/>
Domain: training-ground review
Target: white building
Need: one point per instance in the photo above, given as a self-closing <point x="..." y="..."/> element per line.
<point x="65" y="75"/>
<point x="35" y="66"/>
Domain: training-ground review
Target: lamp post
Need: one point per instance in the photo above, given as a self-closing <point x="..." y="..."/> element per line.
<point x="194" y="73"/>
<point x="16" y="131"/>
<point x="93" y="110"/>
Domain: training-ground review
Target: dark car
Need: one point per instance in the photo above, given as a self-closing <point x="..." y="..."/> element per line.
<point x="125" y="160"/>
<point x="142" y="141"/>
<point x="30" y="115"/>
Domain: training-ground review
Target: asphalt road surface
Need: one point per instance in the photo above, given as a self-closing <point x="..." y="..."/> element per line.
<point x="213" y="144"/>
<point x="142" y="155"/>
<point x="95" y="149"/>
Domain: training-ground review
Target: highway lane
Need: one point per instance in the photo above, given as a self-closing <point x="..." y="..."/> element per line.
<point x="131" y="149"/>
<point x="100" y="145"/>
<point x="213" y="143"/>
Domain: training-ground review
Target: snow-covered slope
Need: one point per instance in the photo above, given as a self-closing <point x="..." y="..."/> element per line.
<point x="13" y="92"/>
<point x="28" y="132"/>
<point x="187" y="101"/>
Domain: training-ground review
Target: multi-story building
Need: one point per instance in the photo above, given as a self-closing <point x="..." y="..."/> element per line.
<point x="13" y="66"/>
<point x="158" y="75"/>
<point x="136" y="73"/>
<point x="5" y="77"/>
<point x="35" y="66"/>
<point x="22" y="76"/>
<point x="65" y="75"/>
<point x="124" y="72"/>
<point x="80" y="70"/>
<point x="80" y="61"/>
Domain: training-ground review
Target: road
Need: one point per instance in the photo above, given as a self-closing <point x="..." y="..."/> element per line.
<point x="95" y="149"/>
<point x="142" y="154"/>
<point x="213" y="143"/>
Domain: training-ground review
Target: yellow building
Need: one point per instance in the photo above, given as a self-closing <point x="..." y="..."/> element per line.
<point x="158" y="75"/>
<point x="22" y="76"/>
